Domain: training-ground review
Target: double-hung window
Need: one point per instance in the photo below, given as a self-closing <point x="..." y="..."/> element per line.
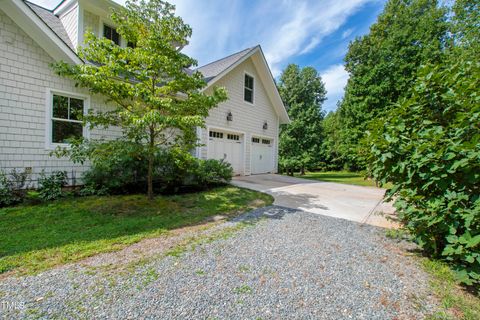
<point x="111" y="33"/>
<point x="65" y="121"/>
<point x="248" y="89"/>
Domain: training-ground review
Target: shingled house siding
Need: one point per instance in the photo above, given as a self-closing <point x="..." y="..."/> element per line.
<point x="247" y="118"/>
<point x="70" y="22"/>
<point x="25" y="75"/>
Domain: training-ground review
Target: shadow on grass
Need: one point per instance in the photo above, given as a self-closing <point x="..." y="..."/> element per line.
<point x="40" y="236"/>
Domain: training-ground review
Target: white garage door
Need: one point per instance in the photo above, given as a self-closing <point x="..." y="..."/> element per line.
<point x="226" y="146"/>
<point x="262" y="155"/>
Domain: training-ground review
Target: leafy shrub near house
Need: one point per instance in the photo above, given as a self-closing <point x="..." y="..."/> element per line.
<point x="174" y="170"/>
<point x="211" y="172"/>
<point x="12" y="187"/>
<point x="50" y="187"/>
<point x="429" y="148"/>
<point x="115" y="168"/>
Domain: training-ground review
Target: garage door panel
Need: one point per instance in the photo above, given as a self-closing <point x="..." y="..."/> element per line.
<point x="228" y="147"/>
<point x="262" y="155"/>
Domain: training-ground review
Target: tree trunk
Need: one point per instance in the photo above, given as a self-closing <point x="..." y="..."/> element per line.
<point x="302" y="171"/>
<point x="151" y="159"/>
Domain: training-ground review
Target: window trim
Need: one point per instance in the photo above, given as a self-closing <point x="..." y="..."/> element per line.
<point x="245" y="73"/>
<point x="49" y="144"/>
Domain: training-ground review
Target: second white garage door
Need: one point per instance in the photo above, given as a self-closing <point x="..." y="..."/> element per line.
<point x="262" y="155"/>
<point x="227" y="146"/>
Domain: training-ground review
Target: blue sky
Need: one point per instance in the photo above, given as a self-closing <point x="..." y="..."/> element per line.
<point x="306" y="32"/>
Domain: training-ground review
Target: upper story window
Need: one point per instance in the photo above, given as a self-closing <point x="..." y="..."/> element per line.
<point x="248" y="89"/>
<point x="111" y="33"/>
<point x="65" y="120"/>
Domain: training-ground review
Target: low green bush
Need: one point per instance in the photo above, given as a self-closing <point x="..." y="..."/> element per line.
<point x="13" y="187"/>
<point x="211" y="172"/>
<point x="175" y="170"/>
<point x="50" y="186"/>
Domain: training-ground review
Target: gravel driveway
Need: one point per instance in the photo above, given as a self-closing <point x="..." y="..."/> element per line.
<point x="286" y="265"/>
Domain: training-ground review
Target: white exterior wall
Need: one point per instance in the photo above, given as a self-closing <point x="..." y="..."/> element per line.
<point x="70" y="22"/>
<point x="247" y="118"/>
<point x="25" y="76"/>
<point x="91" y="22"/>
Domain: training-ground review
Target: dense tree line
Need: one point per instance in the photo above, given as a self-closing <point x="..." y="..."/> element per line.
<point x="410" y="116"/>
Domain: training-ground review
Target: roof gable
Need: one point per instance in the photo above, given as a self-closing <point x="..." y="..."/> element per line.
<point x="216" y="70"/>
<point x="213" y="69"/>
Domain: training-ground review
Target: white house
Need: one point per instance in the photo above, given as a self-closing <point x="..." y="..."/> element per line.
<point x="37" y="107"/>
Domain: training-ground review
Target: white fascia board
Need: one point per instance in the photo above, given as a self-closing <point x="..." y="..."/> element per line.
<point x="269" y="83"/>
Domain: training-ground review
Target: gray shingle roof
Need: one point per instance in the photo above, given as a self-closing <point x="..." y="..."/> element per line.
<point x="213" y="69"/>
<point x="53" y="22"/>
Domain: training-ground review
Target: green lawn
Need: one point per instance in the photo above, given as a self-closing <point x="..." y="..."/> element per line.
<point x="346" y="177"/>
<point x="36" y="237"/>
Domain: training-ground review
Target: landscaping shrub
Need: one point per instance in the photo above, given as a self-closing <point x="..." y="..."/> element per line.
<point x="211" y="172"/>
<point x="175" y="171"/>
<point x="50" y="187"/>
<point x="429" y="148"/>
<point x="12" y="187"/>
<point x="115" y="168"/>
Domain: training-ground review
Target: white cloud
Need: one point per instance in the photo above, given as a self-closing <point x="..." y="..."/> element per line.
<point x="285" y="28"/>
<point x="311" y="45"/>
<point x="307" y="24"/>
<point x="347" y="33"/>
<point x="335" y="79"/>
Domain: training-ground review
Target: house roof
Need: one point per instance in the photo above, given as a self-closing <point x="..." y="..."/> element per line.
<point x="52" y="21"/>
<point x="213" y="69"/>
<point x="216" y="70"/>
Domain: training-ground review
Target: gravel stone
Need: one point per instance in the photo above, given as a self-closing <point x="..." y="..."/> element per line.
<point x="284" y="264"/>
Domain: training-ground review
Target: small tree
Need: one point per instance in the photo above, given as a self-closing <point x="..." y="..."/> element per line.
<point x="157" y="103"/>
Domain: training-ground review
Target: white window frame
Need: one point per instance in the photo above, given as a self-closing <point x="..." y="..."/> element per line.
<point x="49" y="144"/>
<point x="253" y="90"/>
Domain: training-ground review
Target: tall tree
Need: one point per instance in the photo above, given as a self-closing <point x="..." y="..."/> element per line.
<point x="383" y="65"/>
<point x="146" y="81"/>
<point x="332" y="141"/>
<point x="303" y="92"/>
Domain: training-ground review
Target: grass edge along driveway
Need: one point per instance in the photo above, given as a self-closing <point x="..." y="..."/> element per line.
<point x="38" y="237"/>
<point x="345" y="177"/>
